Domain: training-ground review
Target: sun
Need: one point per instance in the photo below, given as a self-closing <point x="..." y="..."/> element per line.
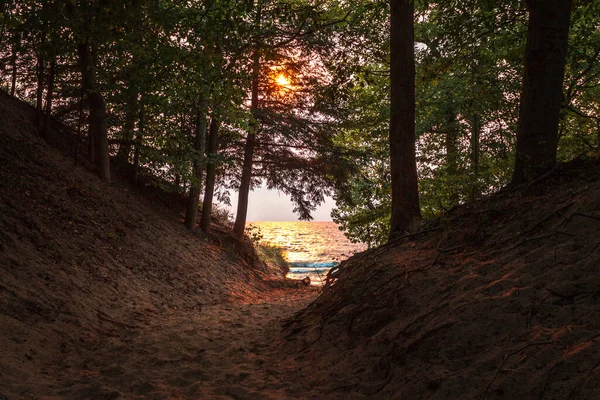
<point x="282" y="80"/>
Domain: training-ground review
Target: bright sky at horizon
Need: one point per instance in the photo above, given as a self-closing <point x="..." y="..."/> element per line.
<point x="273" y="205"/>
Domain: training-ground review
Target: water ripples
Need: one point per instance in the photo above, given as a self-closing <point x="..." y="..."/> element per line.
<point x="311" y="248"/>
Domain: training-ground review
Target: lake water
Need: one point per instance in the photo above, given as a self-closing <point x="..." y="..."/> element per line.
<point x="311" y="248"/>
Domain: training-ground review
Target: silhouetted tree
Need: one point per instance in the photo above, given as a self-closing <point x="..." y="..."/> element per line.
<point x="405" y="194"/>
<point x="541" y="96"/>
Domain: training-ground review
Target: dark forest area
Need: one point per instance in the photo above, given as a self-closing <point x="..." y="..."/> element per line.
<point x="211" y="97"/>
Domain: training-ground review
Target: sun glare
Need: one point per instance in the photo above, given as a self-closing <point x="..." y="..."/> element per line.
<point x="282" y="80"/>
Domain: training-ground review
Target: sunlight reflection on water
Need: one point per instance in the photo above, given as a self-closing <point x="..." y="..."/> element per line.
<point x="311" y="248"/>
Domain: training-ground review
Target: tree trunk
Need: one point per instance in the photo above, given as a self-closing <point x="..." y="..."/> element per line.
<point x="475" y="134"/>
<point x="244" y="191"/>
<point x="13" y="64"/>
<point x="242" y="209"/>
<point x="598" y="134"/>
<point x="405" y="194"/>
<point x="452" y="156"/>
<point x="198" y="164"/>
<point x="131" y="113"/>
<point x="541" y="95"/>
<point x="138" y="142"/>
<point x="97" y="118"/>
<point x="211" y="172"/>
<point x="451" y="144"/>
<point x="39" y="93"/>
<point x="49" y="97"/>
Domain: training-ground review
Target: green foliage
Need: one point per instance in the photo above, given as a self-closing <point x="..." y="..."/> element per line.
<point x="254" y="233"/>
<point x="469" y="68"/>
<point x="328" y="134"/>
<point x="273" y="256"/>
<point x="221" y="216"/>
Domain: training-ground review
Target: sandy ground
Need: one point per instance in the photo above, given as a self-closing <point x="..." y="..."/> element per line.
<point x="223" y="351"/>
<point x="105" y="295"/>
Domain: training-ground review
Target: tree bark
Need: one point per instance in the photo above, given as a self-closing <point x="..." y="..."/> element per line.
<point x="541" y="94"/>
<point x="138" y="142"/>
<point x="39" y="93"/>
<point x="451" y="143"/>
<point x="475" y="135"/>
<point x="97" y="108"/>
<point x="131" y="113"/>
<point x="244" y="191"/>
<point x="405" y="194"/>
<point x="197" y="169"/>
<point x="49" y="97"/>
<point x="13" y="64"/>
<point x="452" y="157"/>
<point x="211" y="173"/>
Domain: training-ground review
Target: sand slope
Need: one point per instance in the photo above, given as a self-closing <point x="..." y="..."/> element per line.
<point x="104" y="294"/>
<point x="495" y="300"/>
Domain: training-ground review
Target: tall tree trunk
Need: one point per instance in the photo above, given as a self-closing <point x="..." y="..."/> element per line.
<point x="475" y="135"/>
<point x="131" y="114"/>
<point x="452" y="143"/>
<point x="40" y="66"/>
<point x="198" y="164"/>
<point x="138" y="141"/>
<point x="211" y="173"/>
<point x="13" y="63"/>
<point x="405" y="194"/>
<point x="49" y="97"/>
<point x="244" y="191"/>
<point x="97" y="118"/>
<point x="452" y="155"/>
<point x="541" y="95"/>
<point x="598" y="134"/>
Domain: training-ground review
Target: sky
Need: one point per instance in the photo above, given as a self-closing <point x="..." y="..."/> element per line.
<point x="271" y="205"/>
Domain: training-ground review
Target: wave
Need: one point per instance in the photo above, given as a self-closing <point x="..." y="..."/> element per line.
<point x="308" y="265"/>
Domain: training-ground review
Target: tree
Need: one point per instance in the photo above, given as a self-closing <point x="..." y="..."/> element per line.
<point x="466" y="65"/>
<point x="288" y="35"/>
<point x="541" y="96"/>
<point x="211" y="172"/>
<point x="198" y="166"/>
<point x="244" y="190"/>
<point x="405" y="193"/>
<point x="88" y="25"/>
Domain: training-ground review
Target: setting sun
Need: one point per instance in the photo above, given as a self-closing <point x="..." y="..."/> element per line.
<point x="282" y="80"/>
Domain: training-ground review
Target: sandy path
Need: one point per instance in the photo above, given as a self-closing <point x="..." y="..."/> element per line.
<point x="224" y="351"/>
